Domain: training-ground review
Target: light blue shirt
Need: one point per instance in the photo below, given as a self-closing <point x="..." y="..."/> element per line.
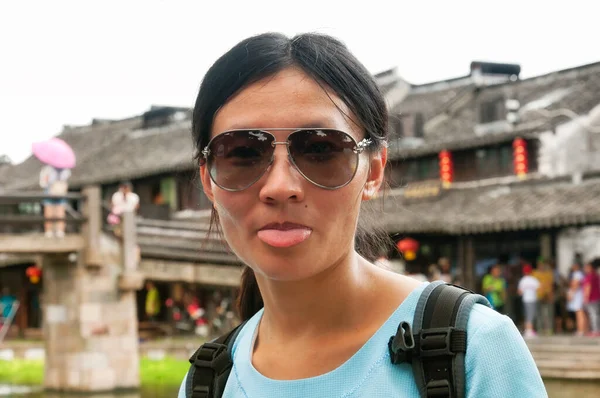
<point x="497" y="364"/>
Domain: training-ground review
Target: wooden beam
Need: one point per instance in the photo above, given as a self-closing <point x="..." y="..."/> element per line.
<point x="193" y="245"/>
<point x="15" y="219"/>
<point x="18" y="197"/>
<point x="174" y="224"/>
<point x="38" y="243"/>
<point x="184" y="271"/>
<point x="188" y="255"/>
<point x="7" y="260"/>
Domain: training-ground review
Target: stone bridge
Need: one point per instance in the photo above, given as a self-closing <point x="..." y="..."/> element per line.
<point x="90" y="278"/>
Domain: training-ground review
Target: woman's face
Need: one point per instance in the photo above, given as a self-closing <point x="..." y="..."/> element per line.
<point x="323" y="222"/>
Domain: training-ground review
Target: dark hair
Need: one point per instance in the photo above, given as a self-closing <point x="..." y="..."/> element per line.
<point x="330" y="63"/>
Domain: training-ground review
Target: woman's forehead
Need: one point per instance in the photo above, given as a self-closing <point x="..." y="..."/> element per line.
<point x="289" y="99"/>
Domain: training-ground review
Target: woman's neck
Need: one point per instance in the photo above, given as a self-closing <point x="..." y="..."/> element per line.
<point x="326" y="303"/>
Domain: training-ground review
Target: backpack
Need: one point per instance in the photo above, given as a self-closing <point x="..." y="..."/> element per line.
<point x="435" y="345"/>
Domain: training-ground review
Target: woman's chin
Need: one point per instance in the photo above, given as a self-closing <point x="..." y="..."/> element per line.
<point x="279" y="269"/>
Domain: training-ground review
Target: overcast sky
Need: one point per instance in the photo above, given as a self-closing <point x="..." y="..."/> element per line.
<point x="66" y="62"/>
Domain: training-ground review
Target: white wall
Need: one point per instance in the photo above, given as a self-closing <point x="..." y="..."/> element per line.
<point x="565" y="152"/>
<point x="584" y="240"/>
<point x="562" y="152"/>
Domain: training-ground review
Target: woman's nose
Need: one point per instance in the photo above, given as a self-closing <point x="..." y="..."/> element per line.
<point x="282" y="181"/>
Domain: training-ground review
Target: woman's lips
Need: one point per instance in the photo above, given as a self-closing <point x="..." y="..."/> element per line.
<point x="284" y="235"/>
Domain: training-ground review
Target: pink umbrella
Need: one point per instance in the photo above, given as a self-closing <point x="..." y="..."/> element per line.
<point x="55" y="152"/>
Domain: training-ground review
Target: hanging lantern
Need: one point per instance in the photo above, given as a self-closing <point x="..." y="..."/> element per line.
<point x="34" y="273"/>
<point x="446" y="168"/>
<point x="408" y="247"/>
<point x="520" y="157"/>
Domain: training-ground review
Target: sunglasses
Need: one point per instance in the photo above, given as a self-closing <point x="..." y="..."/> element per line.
<point x="328" y="158"/>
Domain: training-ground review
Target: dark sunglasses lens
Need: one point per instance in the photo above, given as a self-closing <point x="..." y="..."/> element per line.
<point x="239" y="158"/>
<point x="325" y="157"/>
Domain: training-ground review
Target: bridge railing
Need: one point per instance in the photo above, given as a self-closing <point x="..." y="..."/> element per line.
<point x="23" y="212"/>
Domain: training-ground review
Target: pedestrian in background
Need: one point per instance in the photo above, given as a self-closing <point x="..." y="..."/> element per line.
<point x="591" y="296"/>
<point x="527" y="289"/>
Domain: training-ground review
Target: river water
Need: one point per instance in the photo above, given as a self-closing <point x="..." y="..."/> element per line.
<point x="556" y="389"/>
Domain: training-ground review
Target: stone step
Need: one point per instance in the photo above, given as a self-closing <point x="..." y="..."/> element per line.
<point x="565" y="349"/>
<point x="553" y="373"/>
<point x="589" y="345"/>
<point x="565" y="363"/>
<point x="566" y="340"/>
<point x="567" y="359"/>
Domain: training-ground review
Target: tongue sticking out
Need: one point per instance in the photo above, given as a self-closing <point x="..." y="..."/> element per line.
<point x="284" y="238"/>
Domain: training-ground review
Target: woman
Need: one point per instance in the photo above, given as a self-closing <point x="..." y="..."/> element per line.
<point x="290" y="135"/>
<point x="54" y="182"/>
<point x="575" y="299"/>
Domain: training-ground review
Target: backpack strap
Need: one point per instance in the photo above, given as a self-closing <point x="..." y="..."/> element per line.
<point x="437" y="342"/>
<point x="212" y="364"/>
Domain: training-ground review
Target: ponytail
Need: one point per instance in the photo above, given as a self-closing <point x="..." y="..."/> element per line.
<point x="249" y="300"/>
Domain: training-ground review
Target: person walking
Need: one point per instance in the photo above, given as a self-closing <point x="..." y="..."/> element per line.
<point x="575" y="299"/>
<point x="527" y="289"/>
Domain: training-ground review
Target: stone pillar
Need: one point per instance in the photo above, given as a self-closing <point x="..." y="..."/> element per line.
<point x="90" y="320"/>
<point x="468" y="252"/>
<point x="546" y="245"/>
<point x="91" y="230"/>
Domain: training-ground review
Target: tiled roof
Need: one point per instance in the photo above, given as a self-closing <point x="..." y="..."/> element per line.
<point x="450" y="108"/>
<point x="502" y="207"/>
<point x="184" y="239"/>
<point x="139" y="153"/>
<point x="112" y="151"/>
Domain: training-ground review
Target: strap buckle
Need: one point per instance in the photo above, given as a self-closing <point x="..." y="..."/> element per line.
<point x="435" y="342"/>
<point x="207" y="354"/>
<point x="439" y="388"/>
<point x="401" y="345"/>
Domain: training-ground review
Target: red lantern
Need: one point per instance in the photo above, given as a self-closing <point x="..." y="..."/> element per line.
<point x="408" y="247"/>
<point x="520" y="157"/>
<point x="446" y="168"/>
<point x="34" y="273"/>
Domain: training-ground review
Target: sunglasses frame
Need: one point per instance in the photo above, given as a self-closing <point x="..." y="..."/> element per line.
<point x="359" y="147"/>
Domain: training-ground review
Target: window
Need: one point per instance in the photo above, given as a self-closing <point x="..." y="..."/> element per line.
<point x="398" y="126"/>
<point x="491" y="111"/>
<point x="418" y="125"/>
<point x="409" y="125"/>
<point x="493" y="161"/>
<point x="413" y="170"/>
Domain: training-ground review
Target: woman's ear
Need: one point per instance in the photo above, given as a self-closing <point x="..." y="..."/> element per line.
<point x="206" y="183"/>
<point x="376" y="174"/>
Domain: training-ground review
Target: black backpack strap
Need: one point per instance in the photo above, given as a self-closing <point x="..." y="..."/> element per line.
<point x="212" y="364"/>
<point x="437" y="343"/>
